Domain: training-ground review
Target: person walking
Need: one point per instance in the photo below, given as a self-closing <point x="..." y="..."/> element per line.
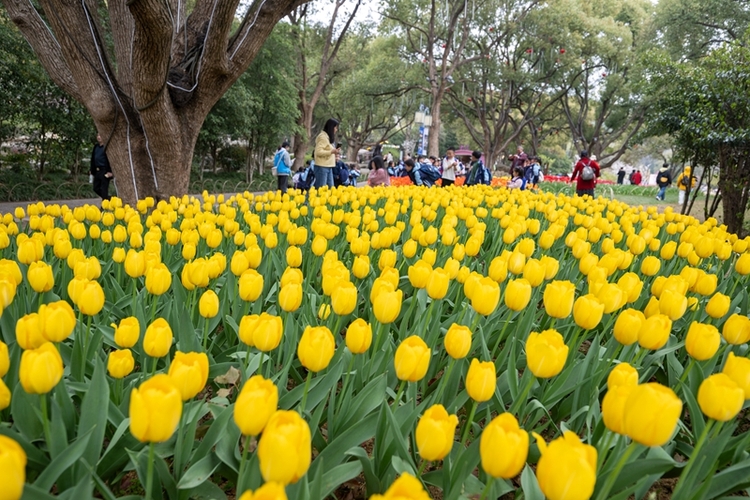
<point x="637" y="178"/>
<point x="325" y="154"/>
<point x="283" y="163"/>
<point x="663" y="180"/>
<point x="685" y="181"/>
<point x="479" y="174"/>
<point x="100" y="169"/>
<point x="449" y="169"/>
<point x="586" y="171"/>
<point x="621" y="176"/>
<point x="378" y="174"/>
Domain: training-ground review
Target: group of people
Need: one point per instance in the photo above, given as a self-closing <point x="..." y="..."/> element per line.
<point x="635" y="178"/>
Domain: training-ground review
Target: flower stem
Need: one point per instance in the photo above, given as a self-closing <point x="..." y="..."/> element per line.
<point x="444" y="380"/>
<point x="522" y="397"/>
<point x="685" y="374"/>
<point x="205" y="333"/>
<point x="243" y="465"/>
<point x="616" y="472"/>
<point x="400" y="392"/>
<point x="693" y="457"/>
<point x="499" y="340"/>
<point x="150" y="471"/>
<point x="304" y="394"/>
<point x="486" y="490"/>
<point x="153" y="366"/>
<point x="45" y="422"/>
<point x="346" y="384"/>
<point x="422" y="467"/>
<point x="468" y="423"/>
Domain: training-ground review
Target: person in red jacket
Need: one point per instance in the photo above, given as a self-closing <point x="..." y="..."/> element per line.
<point x="637" y="178"/>
<point x="586" y="171"/>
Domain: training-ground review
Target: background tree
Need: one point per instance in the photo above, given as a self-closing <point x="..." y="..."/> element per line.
<point x="148" y="72"/>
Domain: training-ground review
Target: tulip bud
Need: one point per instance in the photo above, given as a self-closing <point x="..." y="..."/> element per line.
<point x="551" y="267"/>
<point x="158" y="279"/>
<point x="58" y="320"/>
<point x="654" y="332"/>
<point x="127" y="332"/>
<point x="503" y="447"/>
<point x="567" y="467"/>
<point x="672" y="304"/>
<point x="437" y="284"/>
<point x="738" y="369"/>
<point x="632" y="285"/>
<point x="458" y="341"/>
<point x="627" y="326"/>
<point x="720" y="397"/>
<point x="534" y="272"/>
<point x="481" y="380"/>
<point x="40" y="277"/>
<point x="316" y="348"/>
<point x="257" y="401"/>
<point x="324" y="311"/>
<point x="41" y="369"/>
<point x="5" y="396"/>
<point x="435" y="433"/>
<point x="12" y="468"/>
<point x="30" y="331"/>
<point x="736" y="329"/>
<point x="419" y="274"/>
<point x="361" y="266"/>
<point x="546" y="353"/>
<point x="344" y="298"/>
<point x="486" y="296"/>
<point x="650" y="266"/>
<point x="651" y="414"/>
<point x="387" y="259"/>
<point x="285" y="448"/>
<point x="250" y="285"/>
<point x="290" y="297"/>
<point x="135" y="263"/>
<point x="702" y="341"/>
<point x="718" y="305"/>
<point x="742" y="266"/>
<point x="558" y="299"/>
<point x="155" y="409"/>
<point x="613" y="406"/>
<point x="412" y="359"/>
<point x="158" y="338"/>
<point x="208" y="305"/>
<point x="622" y="374"/>
<point x="359" y="336"/>
<point x="91" y="298"/>
<point x="4" y="359"/>
<point x="189" y="373"/>
<point x="386" y="305"/>
<point x="612" y="297"/>
<point x="517" y="294"/>
<point x="263" y="332"/>
<point x="652" y="308"/>
<point x="587" y="311"/>
<point x="120" y="363"/>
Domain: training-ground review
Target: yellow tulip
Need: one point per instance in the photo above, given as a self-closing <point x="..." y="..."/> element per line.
<point x="435" y="433"/>
<point x="324" y="311"/>
<point x="736" y="329"/>
<point x="720" y="397"/>
<point x="155" y="410"/>
<point x="650" y="266"/>
<point x="546" y="353"/>
<point x="120" y="363"/>
<point x="517" y="294"/>
<point x="344" y="298"/>
<point x="410" y="249"/>
<point x="359" y="336"/>
<point x="613" y="407"/>
<point x="654" y="332"/>
<point x="40" y="277"/>
<point x="587" y="311"/>
<point x="412" y="359"/>
<point x="256" y="402"/>
<point x="4" y="359"/>
<point x="361" y="266"/>
<point x="12" y="468"/>
<point x="284" y="449"/>
<point x="738" y="369"/>
<point x="503" y="447"/>
<point x="387" y="305"/>
<point x="58" y="320"/>
<point x="158" y="338"/>
<point x="481" y="380"/>
<point x="652" y="308"/>
<point x="319" y="245"/>
<point x="189" y="373"/>
<point x="627" y="326"/>
<point x="41" y="369"/>
<point x="406" y="487"/>
<point x="702" y="341"/>
<point x="419" y="274"/>
<point x="558" y="299"/>
<point x="437" y="284"/>
<point x="632" y="285"/>
<point x="269" y="491"/>
<point x="516" y="262"/>
<point x="551" y="266"/>
<point x="742" y="266"/>
<point x="250" y="285"/>
<point x="316" y="348"/>
<point x="89" y="268"/>
<point x="5" y="396"/>
<point x="30" y="331"/>
<point x="567" y="468"/>
<point x="718" y="305"/>
<point x="91" y="298"/>
<point x="387" y="259"/>
<point x="651" y="414"/>
<point x="534" y="272"/>
<point x="135" y="263"/>
<point x="622" y="374"/>
<point x="498" y="270"/>
<point x="208" y="305"/>
<point x="290" y="297"/>
<point x="486" y="296"/>
<point x="457" y="341"/>
<point x="612" y="297"/>
<point x="127" y="332"/>
<point x="262" y="331"/>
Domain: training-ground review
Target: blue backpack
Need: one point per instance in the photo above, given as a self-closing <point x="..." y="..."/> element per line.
<point x="429" y="172"/>
<point x="307" y="179"/>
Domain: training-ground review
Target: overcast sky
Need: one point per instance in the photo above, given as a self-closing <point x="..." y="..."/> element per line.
<point x="368" y="12"/>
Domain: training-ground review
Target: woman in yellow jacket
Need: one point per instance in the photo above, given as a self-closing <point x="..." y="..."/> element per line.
<point x="325" y="154"/>
<point x="684" y="180"/>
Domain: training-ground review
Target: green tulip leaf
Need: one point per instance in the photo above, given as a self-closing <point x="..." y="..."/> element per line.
<point x="67" y="458"/>
<point x="199" y="473"/>
<point x="530" y="485"/>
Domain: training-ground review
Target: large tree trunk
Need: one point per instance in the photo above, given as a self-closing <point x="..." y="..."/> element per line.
<point x="433" y="140"/>
<point x="171" y="69"/>
<point x="734" y="185"/>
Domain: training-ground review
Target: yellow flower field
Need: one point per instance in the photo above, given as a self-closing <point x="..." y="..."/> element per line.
<point x="383" y="343"/>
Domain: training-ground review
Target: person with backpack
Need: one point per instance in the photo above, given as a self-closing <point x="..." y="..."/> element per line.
<point x="685" y="181"/>
<point x="306" y="178"/>
<point x="663" y="180"/>
<point x="421" y="175"/>
<point x="282" y="162"/>
<point x="586" y="171"/>
<point x="340" y="173"/>
<point x="479" y="174"/>
<point x="536" y="170"/>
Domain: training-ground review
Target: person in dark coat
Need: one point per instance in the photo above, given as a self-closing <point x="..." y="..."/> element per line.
<point x="621" y="176"/>
<point x="100" y="169"/>
<point x="663" y="180"/>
